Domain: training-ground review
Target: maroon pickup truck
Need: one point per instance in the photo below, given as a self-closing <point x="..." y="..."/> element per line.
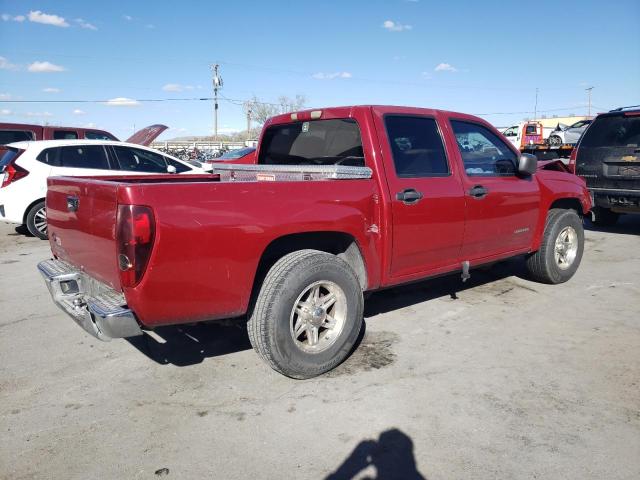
<point x="341" y="201"/>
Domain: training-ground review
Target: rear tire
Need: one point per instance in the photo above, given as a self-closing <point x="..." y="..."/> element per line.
<point x="604" y="217"/>
<point x="308" y="314"/>
<point x="561" y="249"/>
<point x="37" y="221"/>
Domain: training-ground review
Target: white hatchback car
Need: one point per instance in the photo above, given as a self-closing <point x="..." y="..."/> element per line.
<point x="25" y="167"/>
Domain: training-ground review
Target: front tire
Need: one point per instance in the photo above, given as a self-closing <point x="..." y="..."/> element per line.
<point x="555" y="141"/>
<point x="307" y="315"/>
<point x="561" y="250"/>
<point x="37" y="221"/>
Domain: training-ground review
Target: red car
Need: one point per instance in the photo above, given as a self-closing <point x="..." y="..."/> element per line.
<point x="241" y="155"/>
<point x="341" y="201"/>
<point x="19" y="132"/>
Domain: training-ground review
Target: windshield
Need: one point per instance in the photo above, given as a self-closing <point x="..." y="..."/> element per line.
<point x="580" y="124"/>
<point x="613" y="131"/>
<point x="316" y="142"/>
<point x="241" y="152"/>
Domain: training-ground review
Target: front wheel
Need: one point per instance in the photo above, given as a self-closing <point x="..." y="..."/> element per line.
<point x="555" y="141"/>
<point x="37" y="221"/>
<point x="561" y="250"/>
<point x="307" y="315"/>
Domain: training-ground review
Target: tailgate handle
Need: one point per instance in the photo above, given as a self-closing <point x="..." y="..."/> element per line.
<point x="72" y="203"/>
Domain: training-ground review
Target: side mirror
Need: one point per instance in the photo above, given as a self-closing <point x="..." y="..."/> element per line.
<point x="527" y="164"/>
<point x="171" y="169"/>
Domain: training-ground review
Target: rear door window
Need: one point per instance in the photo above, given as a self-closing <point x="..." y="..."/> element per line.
<point x="65" y="135"/>
<point x="138" y="160"/>
<point x="613" y="131"/>
<point x="483" y="153"/>
<point x="84" y="156"/>
<point x="10" y="136"/>
<point x="416" y="146"/>
<point x="316" y="142"/>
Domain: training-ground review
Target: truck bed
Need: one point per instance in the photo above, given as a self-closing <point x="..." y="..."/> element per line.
<point x="210" y="231"/>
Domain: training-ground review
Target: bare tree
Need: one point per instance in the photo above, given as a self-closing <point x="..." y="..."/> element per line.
<point x="261" y="111"/>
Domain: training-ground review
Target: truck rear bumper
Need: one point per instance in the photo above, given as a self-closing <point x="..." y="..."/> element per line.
<point x="96" y="307"/>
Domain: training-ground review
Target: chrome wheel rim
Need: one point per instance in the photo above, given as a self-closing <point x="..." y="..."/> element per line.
<point x="318" y="316"/>
<point x="566" y="247"/>
<point x="40" y="221"/>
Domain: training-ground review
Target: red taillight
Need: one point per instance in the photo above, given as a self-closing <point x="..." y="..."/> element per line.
<point x="572" y="160"/>
<point x="13" y="172"/>
<point x="134" y="236"/>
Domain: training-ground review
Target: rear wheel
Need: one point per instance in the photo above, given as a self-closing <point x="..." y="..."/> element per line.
<point x="37" y="221"/>
<point x="307" y="315"/>
<point x="561" y="250"/>
<point x="603" y="217"/>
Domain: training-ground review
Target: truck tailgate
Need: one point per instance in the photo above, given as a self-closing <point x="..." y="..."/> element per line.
<point x="81" y="217"/>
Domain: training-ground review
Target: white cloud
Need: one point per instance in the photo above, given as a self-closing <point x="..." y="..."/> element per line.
<point x="89" y="125"/>
<point x="87" y="25"/>
<point x="5" y="112"/>
<point x="150" y="26"/>
<point x="445" y="67"/>
<point x="426" y="75"/>
<point x="395" y="26"/>
<point x="122" y="102"/>
<point x="51" y="90"/>
<point x="128" y="18"/>
<point x="37" y="16"/>
<point x="45" y="67"/>
<point x="77" y="111"/>
<point x="8" y="18"/>
<point x="38" y="114"/>
<point x="176" y="87"/>
<point x="6" y="65"/>
<point x="5" y="96"/>
<point x="331" y="76"/>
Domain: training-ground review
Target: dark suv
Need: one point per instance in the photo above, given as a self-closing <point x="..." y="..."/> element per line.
<point x="608" y="158"/>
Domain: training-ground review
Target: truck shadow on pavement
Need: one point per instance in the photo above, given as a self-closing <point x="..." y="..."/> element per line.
<point x="190" y="344"/>
<point x="391" y="456"/>
<point x="186" y="345"/>
<point x="626" y="225"/>
<point x="449" y="285"/>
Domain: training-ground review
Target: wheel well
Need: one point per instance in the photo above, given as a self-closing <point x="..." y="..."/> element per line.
<point x="340" y="244"/>
<point x="568" y="204"/>
<point x="26" y="212"/>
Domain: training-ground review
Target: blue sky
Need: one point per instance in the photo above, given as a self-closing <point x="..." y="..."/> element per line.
<point x="477" y="57"/>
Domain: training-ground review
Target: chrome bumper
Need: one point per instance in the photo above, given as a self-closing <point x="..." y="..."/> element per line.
<point x="94" y="306"/>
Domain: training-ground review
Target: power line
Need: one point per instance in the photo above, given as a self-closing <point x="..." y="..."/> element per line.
<point x="112" y="101"/>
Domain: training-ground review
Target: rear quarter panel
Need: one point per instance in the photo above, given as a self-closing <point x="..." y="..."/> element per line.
<point x="210" y="238"/>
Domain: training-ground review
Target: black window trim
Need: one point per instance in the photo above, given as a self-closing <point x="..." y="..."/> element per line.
<point x="444" y="146"/>
<point x="487" y="127"/>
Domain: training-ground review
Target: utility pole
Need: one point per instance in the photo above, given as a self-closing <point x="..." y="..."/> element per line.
<point x="589" y="93"/>
<point x="217" y="84"/>
<point x="535" y="109"/>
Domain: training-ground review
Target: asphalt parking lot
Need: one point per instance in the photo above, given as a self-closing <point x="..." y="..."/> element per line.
<point x="496" y="378"/>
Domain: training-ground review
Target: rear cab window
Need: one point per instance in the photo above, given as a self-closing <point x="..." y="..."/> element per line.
<point x="416" y="146"/>
<point x="96" y="135"/>
<point x="314" y="142"/>
<point x="483" y="153"/>
<point x="65" y="135"/>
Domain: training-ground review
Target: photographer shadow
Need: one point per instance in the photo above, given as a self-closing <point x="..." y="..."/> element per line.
<point x="391" y="456"/>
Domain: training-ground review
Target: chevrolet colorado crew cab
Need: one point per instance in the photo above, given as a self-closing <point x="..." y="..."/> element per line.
<point x="341" y="201"/>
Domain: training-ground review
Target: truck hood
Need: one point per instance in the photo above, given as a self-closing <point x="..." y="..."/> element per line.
<point x="147" y="134"/>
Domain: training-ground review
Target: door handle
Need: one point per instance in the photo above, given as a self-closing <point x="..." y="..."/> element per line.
<point x="409" y="196"/>
<point x="478" y="191"/>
